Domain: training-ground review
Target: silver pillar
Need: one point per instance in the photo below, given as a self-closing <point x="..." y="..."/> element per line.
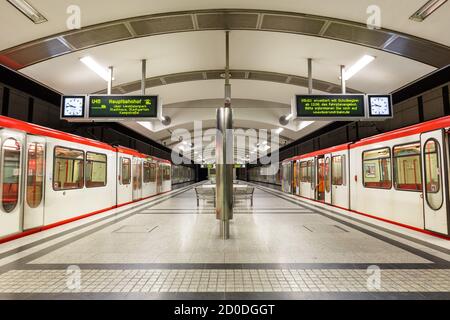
<point x="310" y="78"/>
<point x="343" y="85"/>
<point x="144" y="76"/>
<point x="110" y="81"/>
<point x="225" y="154"/>
<point x="224" y="169"/>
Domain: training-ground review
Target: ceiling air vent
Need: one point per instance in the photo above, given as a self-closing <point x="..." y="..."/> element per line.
<point x="433" y="55"/>
<point x="98" y="36"/>
<point x="162" y="25"/>
<point x="357" y="34"/>
<point x="227" y="20"/>
<point x="292" y="24"/>
<point x="37" y="52"/>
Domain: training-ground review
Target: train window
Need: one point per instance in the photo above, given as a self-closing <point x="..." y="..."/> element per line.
<point x="407" y="170"/>
<point x="432" y="170"/>
<point x="305" y="171"/>
<point x="377" y="169"/>
<point x="126" y="171"/>
<point x="327" y="174"/>
<point x="11" y="174"/>
<point x="337" y="171"/>
<point x="147" y="172"/>
<point x="68" y="169"/>
<point x="35" y="174"/>
<point x="152" y="172"/>
<point x="166" y="172"/>
<point x="96" y="168"/>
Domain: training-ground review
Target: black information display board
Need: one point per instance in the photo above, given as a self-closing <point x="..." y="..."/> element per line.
<point x="123" y="106"/>
<point x="331" y="106"/>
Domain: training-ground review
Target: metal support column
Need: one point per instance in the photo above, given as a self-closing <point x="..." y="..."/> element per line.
<point x="225" y="156"/>
<point x="310" y="78"/>
<point x="110" y="81"/>
<point x="144" y="75"/>
<point x="343" y="85"/>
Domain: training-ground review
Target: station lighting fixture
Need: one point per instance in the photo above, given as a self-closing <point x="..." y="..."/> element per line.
<point x="427" y="9"/>
<point x="358" y="66"/>
<point x="279" y="130"/>
<point x="102" y="72"/>
<point x="28" y="10"/>
<point x="289" y="116"/>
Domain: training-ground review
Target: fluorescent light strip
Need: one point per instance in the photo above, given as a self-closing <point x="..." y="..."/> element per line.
<point x="289" y="117"/>
<point x="358" y="66"/>
<point x="98" y="69"/>
<point x="427" y="9"/>
<point x="279" y="130"/>
<point x="28" y="10"/>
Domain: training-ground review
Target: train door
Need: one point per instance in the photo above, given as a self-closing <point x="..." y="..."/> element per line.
<point x="11" y="176"/>
<point x="159" y="176"/>
<point x="295" y="182"/>
<point x="320" y="186"/>
<point x="137" y="178"/>
<point x="327" y="179"/>
<point x="435" y="187"/>
<point x="33" y="209"/>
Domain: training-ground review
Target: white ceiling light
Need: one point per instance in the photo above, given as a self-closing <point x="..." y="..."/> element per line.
<point x="427" y="9"/>
<point x="98" y="69"/>
<point x="358" y="66"/>
<point x="279" y="130"/>
<point x="289" y="117"/>
<point x="28" y="10"/>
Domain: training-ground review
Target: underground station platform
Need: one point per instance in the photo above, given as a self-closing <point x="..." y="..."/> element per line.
<point x="224" y="159"/>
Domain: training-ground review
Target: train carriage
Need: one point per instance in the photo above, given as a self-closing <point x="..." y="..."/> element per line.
<point x="399" y="177"/>
<point x="50" y="177"/>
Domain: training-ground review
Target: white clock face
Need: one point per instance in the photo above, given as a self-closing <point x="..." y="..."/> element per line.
<point x="380" y="106"/>
<point x="73" y="107"/>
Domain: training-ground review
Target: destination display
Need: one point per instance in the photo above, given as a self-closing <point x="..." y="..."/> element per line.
<point x="336" y="106"/>
<point x="111" y="106"/>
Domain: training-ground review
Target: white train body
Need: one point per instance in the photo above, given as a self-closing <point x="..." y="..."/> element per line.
<point x="49" y="177"/>
<point x="400" y="177"/>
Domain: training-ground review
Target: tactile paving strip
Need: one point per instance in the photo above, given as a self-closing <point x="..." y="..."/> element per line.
<point x="224" y="280"/>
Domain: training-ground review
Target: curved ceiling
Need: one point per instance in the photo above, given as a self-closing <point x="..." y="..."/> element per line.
<point x="270" y="43"/>
<point x="393" y="41"/>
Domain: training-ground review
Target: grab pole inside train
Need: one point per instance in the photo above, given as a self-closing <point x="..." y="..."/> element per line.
<point x="224" y="157"/>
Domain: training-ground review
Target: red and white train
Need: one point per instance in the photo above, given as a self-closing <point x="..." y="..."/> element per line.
<point x="401" y="177"/>
<point x="50" y="177"/>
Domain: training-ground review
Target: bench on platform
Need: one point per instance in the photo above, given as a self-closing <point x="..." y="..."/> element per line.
<point x="243" y="194"/>
<point x="208" y="194"/>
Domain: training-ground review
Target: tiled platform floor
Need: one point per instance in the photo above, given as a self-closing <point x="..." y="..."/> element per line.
<point x="171" y="246"/>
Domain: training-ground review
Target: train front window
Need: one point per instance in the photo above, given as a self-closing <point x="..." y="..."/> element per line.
<point x="35" y="174"/>
<point x="126" y="171"/>
<point x="96" y="168"/>
<point x="433" y="182"/>
<point x="377" y="169"/>
<point x="11" y="174"/>
<point x="407" y="169"/>
<point x="68" y="170"/>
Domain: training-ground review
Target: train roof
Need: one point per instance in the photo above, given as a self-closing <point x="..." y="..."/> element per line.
<point x="35" y="129"/>
<point x="31" y="128"/>
<point x="431" y="125"/>
<point x="138" y="154"/>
